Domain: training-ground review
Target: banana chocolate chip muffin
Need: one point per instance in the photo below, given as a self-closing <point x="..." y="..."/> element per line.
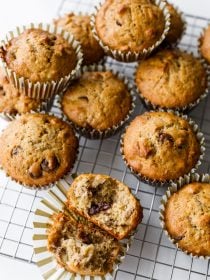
<point x="81" y="247"/>
<point x="160" y="146"/>
<point x="39" y="56"/>
<point x="187" y="218"/>
<point x="106" y="202"/>
<point x="171" y="79"/>
<point x="205" y="44"/>
<point x="12" y="102"/>
<point x="37" y="149"/>
<point x="79" y="26"/>
<point x="97" y="101"/>
<point x="129" y="26"/>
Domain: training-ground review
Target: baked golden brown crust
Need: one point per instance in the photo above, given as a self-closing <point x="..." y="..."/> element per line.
<point x="12" y="101"/>
<point x="187" y="218"/>
<point x="160" y="146"/>
<point x="40" y="56"/>
<point x="37" y="149"/>
<point x="171" y="79"/>
<point x="97" y="100"/>
<point x="79" y="26"/>
<point x="205" y="44"/>
<point x="106" y="202"/>
<point x="80" y="246"/>
<point x="130" y="25"/>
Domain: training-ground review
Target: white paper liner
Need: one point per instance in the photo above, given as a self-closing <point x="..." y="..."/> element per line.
<point x="200" y="138"/>
<point x="54" y="202"/>
<point x="149" y="105"/>
<point x="199" y="44"/>
<point x="94" y="133"/>
<point x="132" y="56"/>
<point x="187" y="179"/>
<point x="47" y="186"/>
<point x="41" y="90"/>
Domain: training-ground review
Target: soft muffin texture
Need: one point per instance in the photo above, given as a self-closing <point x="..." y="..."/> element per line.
<point x="187" y="218"/>
<point x="130" y="25"/>
<point x="205" y="44"/>
<point x="97" y="100"/>
<point x="160" y="146"/>
<point x="79" y="26"/>
<point x="81" y="247"/>
<point x="12" y="101"/>
<point x="106" y="202"/>
<point x="171" y="79"/>
<point x="37" y="149"/>
<point x="40" y="56"/>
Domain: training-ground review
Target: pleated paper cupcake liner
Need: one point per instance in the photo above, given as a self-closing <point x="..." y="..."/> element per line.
<point x="47" y="186"/>
<point x="132" y="56"/>
<point x="54" y="202"/>
<point x="158" y="183"/>
<point x="94" y="133"/>
<point x="41" y="90"/>
<point x="174" y="187"/>
<point x="150" y="106"/>
<point x="200" y="43"/>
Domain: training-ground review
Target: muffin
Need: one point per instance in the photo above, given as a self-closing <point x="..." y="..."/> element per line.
<point x="205" y="44"/>
<point x="106" y="202"/>
<point x="187" y="218"/>
<point x="171" y="79"/>
<point x="12" y="102"/>
<point x="129" y="29"/>
<point x="40" y="60"/>
<point x="37" y="149"/>
<point x="79" y="26"/>
<point x="97" y="103"/>
<point x="160" y="146"/>
<point x="81" y="247"/>
<point x="176" y="27"/>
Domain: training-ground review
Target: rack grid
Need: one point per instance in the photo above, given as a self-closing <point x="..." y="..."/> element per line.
<point x="151" y="255"/>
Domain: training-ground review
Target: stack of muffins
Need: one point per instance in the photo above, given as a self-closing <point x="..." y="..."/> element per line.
<point x="43" y="62"/>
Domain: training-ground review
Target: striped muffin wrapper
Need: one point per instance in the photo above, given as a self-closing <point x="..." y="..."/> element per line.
<point x="158" y="183"/>
<point x="47" y="186"/>
<point x="41" y="90"/>
<point x="150" y="106"/>
<point x="200" y="43"/>
<point x="130" y="56"/>
<point x="173" y="188"/>
<point x="94" y="133"/>
<point x="54" y="202"/>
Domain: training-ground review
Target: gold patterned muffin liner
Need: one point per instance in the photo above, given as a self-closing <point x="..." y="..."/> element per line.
<point x="52" y="184"/>
<point x="173" y="188"/>
<point x="150" y="106"/>
<point x="163" y="183"/>
<point x="54" y="202"/>
<point x="91" y="132"/>
<point x="199" y="44"/>
<point x="41" y="90"/>
<point x="130" y="56"/>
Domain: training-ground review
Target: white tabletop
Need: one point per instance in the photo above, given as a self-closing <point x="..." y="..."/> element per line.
<point x="19" y="12"/>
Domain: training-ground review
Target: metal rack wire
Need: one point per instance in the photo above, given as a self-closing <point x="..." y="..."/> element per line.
<point x="151" y="256"/>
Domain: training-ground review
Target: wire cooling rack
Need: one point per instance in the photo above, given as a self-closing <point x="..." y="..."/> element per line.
<point x="151" y="256"/>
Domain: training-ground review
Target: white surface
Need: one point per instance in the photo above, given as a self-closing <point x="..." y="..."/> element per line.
<point x="22" y="12"/>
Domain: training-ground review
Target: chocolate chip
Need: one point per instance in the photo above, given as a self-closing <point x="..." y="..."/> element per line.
<point x="165" y="137"/>
<point x="96" y="208"/>
<point x="104" y="206"/>
<point x="84" y="98"/>
<point x="35" y="170"/>
<point x="178" y="238"/>
<point x="15" y="151"/>
<point x="49" y="164"/>
<point x="84" y="237"/>
<point x="118" y="23"/>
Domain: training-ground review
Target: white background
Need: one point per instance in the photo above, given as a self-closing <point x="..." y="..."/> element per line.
<point x="17" y="12"/>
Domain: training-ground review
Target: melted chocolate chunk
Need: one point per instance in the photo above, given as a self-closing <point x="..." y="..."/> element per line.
<point x="49" y="164"/>
<point x="96" y="208"/>
<point x="84" y="237"/>
<point x="165" y="137"/>
<point x="84" y="98"/>
<point x="15" y="151"/>
<point x="35" y="171"/>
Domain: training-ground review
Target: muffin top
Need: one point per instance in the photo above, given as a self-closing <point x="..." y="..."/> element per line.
<point x="12" y="101"/>
<point x="97" y="100"/>
<point x="130" y="25"/>
<point x="37" y="149"/>
<point x="40" y="56"/>
<point x="176" y="26"/>
<point x="171" y="78"/>
<point x="160" y="146"/>
<point x="205" y="44"/>
<point x="79" y="26"/>
<point x="187" y="218"/>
